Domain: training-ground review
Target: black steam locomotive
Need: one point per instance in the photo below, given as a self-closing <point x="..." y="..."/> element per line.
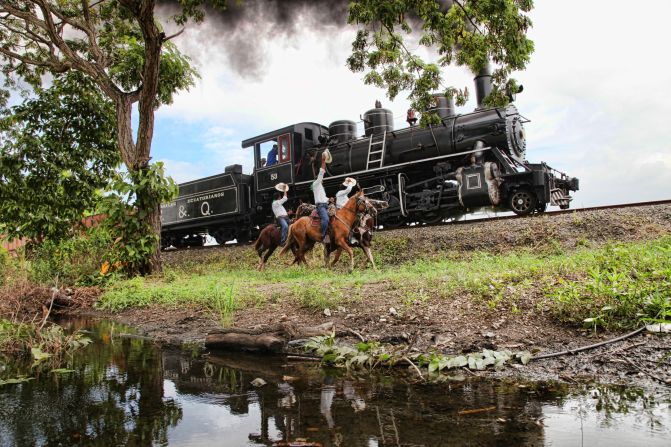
<point x="469" y="161"/>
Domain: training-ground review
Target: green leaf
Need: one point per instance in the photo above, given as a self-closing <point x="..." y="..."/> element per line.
<point x="524" y="357"/>
<point x="38" y="355"/>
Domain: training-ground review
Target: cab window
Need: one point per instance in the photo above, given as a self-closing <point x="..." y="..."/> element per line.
<point x="284" y="142"/>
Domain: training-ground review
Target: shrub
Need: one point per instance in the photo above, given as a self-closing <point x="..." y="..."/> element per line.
<point x="75" y="261"/>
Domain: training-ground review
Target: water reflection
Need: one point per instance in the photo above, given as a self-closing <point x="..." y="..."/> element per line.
<point x="126" y="392"/>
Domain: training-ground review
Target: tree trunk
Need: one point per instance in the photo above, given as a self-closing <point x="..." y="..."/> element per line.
<point x="146" y="202"/>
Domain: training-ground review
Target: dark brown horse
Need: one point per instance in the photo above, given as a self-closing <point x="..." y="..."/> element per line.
<point x="269" y="238"/>
<point x="304" y="234"/>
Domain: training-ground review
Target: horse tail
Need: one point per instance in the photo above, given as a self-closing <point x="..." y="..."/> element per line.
<point x="289" y="241"/>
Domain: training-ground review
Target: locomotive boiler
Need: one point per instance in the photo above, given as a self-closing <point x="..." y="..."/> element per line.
<point x="427" y="174"/>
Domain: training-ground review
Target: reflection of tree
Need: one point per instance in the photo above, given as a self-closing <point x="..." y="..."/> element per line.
<point x="115" y="397"/>
<point x="609" y="402"/>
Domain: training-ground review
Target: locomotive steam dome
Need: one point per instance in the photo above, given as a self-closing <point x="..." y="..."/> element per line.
<point x="515" y="135"/>
<point x="342" y="130"/>
<point x="444" y="106"/>
<point x="378" y="120"/>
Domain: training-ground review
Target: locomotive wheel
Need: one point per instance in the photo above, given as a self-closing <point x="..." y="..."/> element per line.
<point x="522" y="202"/>
<point x="243" y="237"/>
<point x="432" y="218"/>
<point x="395" y="222"/>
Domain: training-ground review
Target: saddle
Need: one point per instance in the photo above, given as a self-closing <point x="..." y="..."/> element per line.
<point x="315" y="220"/>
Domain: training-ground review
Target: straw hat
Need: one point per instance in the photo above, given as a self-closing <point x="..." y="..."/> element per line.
<point x="349" y="181"/>
<point x="327" y="156"/>
<point x="282" y="187"/>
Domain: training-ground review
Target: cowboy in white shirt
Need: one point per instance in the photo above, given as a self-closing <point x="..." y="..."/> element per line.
<point x="342" y="195"/>
<point x="281" y="215"/>
<point x="320" y="198"/>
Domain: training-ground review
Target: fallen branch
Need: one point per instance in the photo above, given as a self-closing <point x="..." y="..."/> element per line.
<point x="638" y="368"/>
<point x="585" y="348"/>
<point x="46" y="315"/>
<point x="477" y="410"/>
<point x="356" y="334"/>
<point x="621" y="349"/>
<point x="414" y="366"/>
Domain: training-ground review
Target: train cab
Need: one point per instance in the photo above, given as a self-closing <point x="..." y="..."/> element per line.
<point x="282" y="155"/>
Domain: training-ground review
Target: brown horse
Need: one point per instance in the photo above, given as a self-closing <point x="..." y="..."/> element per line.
<point x="304" y="234"/>
<point x="269" y="238"/>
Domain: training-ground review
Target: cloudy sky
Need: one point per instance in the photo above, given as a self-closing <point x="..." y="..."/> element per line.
<point x="596" y="92"/>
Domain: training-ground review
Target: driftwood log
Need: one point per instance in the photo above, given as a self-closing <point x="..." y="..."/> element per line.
<point x="265" y="338"/>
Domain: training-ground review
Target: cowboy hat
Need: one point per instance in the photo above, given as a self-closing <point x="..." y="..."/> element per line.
<point x="326" y="155"/>
<point x="282" y="187"/>
<point x="349" y="181"/>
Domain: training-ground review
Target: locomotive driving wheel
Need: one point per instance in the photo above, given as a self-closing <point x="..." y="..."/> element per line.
<point x="522" y="202"/>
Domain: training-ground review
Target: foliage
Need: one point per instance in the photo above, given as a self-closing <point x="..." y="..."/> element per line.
<point x="623" y="283"/>
<point x="221" y="297"/>
<point x="463" y="33"/>
<point x="57" y="150"/>
<point x="372" y="354"/>
<point x="127" y="206"/>
<point x="121" y="47"/>
<point x="74" y="261"/>
<point x="43" y="344"/>
<point x="4" y="265"/>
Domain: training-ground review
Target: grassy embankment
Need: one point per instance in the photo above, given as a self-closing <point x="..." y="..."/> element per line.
<point x="616" y="285"/>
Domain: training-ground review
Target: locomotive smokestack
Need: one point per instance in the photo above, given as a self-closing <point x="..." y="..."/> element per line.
<point x="483" y="85"/>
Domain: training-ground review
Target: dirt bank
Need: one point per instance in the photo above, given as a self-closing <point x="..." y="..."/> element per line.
<point x="457" y="323"/>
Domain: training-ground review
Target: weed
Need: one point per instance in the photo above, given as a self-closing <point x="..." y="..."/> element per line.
<point x="317" y="297"/>
<point x="224" y="304"/>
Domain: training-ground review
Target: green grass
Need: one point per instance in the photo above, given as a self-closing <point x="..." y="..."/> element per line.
<point x="633" y="280"/>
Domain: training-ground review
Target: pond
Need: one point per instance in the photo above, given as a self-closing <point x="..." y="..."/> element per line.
<point x="123" y="390"/>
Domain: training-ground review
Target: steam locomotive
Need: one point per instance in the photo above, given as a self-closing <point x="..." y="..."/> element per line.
<point x="426" y="174"/>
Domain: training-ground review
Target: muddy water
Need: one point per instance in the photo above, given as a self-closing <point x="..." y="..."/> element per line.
<point x="125" y="391"/>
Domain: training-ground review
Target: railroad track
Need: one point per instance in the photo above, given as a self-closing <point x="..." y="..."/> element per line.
<point x="482" y="219"/>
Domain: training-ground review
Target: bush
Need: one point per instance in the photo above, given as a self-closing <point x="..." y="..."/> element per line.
<point x="4" y="266"/>
<point x="75" y="261"/>
<point x="625" y="283"/>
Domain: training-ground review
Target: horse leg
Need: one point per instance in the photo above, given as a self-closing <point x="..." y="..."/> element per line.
<point x="343" y="245"/>
<point x="327" y="255"/>
<point x="336" y="257"/>
<point x="351" y="255"/>
<point x="269" y="253"/>
<point x="369" y="255"/>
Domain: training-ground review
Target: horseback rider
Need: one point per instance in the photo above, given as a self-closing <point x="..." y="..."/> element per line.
<point x="281" y="214"/>
<point x="342" y="195"/>
<point x="321" y="200"/>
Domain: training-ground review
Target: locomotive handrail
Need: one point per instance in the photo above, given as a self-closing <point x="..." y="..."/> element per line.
<point x="394" y="166"/>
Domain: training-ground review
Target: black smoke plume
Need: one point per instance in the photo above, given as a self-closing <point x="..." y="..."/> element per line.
<point x="242" y="30"/>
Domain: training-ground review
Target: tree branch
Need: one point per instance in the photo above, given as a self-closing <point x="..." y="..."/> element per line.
<point x="165" y="39"/>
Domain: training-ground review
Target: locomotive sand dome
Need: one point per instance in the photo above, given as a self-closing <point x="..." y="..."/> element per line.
<point x="426" y="174"/>
<point x="342" y="130"/>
